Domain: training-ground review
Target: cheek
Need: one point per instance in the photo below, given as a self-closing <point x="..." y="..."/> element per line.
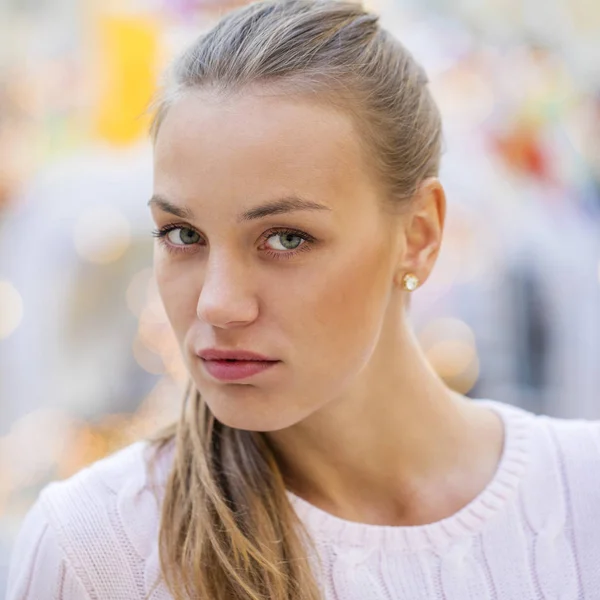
<point x="178" y="293"/>
<point x="340" y="319"/>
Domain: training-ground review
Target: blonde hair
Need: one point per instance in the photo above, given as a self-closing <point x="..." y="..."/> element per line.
<point x="228" y="531"/>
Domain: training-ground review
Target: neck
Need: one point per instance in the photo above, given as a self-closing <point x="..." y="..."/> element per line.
<point x="399" y="447"/>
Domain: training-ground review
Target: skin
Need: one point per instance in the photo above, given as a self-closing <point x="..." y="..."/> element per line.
<point x="361" y="424"/>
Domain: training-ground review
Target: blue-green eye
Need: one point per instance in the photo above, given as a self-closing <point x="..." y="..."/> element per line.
<point x="177" y="239"/>
<point x="288" y="241"/>
<point x="183" y="235"/>
<point x="285" y="244"/>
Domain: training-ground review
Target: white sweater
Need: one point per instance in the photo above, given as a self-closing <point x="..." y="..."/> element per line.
<point x="532" y="533"/>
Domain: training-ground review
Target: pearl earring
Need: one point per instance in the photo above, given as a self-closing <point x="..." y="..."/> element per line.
<point x="410" y="282"/>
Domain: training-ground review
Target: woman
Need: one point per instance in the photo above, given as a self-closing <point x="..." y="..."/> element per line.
<point x="318" y="455"/>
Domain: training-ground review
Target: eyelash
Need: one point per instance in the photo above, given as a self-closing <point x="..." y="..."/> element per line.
<point x="161" y="234"/>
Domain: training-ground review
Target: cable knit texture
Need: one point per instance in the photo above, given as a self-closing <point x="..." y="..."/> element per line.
<point x="532" y="533"/>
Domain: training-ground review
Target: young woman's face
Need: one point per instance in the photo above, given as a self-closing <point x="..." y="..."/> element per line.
<point x="281" y="247"/>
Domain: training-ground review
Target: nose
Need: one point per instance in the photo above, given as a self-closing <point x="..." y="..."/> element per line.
<point x="227" y="299"/>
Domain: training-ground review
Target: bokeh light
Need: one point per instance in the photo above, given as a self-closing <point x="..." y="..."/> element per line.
<point x="149" y="360"/>
<point x="138" y="291"/>
<point x="33" y="447"/>
<point x="102" y="235"/>
<point x="11" y="309"/>
<point x="450" y="347"/>
<point x="464" y="95"/>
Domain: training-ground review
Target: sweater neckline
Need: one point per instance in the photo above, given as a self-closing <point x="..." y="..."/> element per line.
<point x="327" y="528"/>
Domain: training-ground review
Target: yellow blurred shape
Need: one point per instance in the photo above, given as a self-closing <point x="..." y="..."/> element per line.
<point x="450" y="347"/>
<point x="464" y="382"/>
<point x="86" y="446"/>
<point x="11" y="309"/>
<point x="451" y="358"/>
<point x="102" y="235"/>
<point x="129" y="51"/>
<point x="447" y="328"/>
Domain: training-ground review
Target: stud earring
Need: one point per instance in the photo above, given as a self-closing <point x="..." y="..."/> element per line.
<point x="410" y="282"/>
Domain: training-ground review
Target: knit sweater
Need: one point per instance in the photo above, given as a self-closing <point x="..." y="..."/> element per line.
<point x="532" y="533"/>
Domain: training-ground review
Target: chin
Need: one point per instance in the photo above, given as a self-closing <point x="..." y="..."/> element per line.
<point x="239" y="419"/>
<point x="242" y="409"/>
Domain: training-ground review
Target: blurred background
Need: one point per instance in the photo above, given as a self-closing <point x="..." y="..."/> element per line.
<point x="87" y="360"/>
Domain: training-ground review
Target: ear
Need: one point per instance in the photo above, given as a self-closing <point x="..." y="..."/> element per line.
<point x="424" y="227"/>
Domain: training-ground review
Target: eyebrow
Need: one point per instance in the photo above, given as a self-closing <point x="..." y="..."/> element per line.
<point x="274" y="207"/>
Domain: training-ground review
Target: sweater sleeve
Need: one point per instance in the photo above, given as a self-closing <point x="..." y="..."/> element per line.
<point x="39" y="569"/>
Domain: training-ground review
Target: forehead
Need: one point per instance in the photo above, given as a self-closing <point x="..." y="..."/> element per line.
<point x="251" y="145"/>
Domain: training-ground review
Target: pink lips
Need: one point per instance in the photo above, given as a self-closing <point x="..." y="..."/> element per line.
<point x="231" y="365"/>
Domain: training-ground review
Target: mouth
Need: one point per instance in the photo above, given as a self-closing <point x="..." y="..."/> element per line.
<point x="234" y="369"/>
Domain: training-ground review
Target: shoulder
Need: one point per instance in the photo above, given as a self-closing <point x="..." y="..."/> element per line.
<point x="576" y="449"/>
<point x="561" y="477"/>
<point x="118" y="495"/>
<point x="101" y="524"/>
<point x="573" y="444"/>
<point x="557" y="462"/>
<point x="561" y="498"/>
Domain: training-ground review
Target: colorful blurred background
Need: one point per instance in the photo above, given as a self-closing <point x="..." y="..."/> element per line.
<point x="87" y="360"/>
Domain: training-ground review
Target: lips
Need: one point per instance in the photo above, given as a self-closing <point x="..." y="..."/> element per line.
<point x="232" y="370"/>
<point x="232" y="365"/>
<point x="223" y="354"/>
